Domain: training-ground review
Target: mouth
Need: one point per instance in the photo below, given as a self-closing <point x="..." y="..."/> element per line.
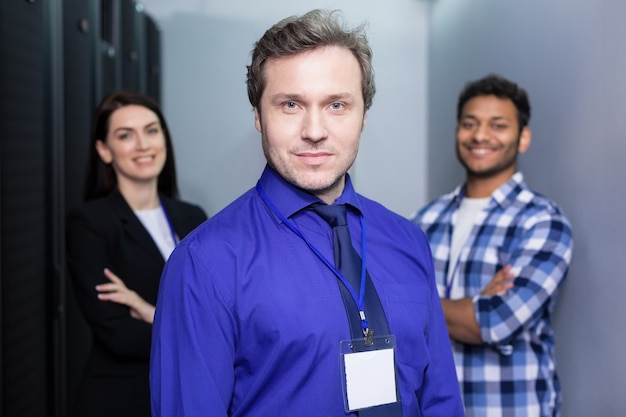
<point x="313" y="158"/>
<point x="480" y="151"/>
<point x="144" y="159"/>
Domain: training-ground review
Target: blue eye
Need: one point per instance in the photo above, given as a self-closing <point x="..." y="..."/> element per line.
<point x="337" y="106"/>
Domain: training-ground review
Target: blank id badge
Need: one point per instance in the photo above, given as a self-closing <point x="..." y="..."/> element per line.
<point x="368" y="372"/>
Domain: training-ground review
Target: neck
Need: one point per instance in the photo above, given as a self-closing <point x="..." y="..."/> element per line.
<point x="142" y="196"/>
<point x="476" y="187"/>
<point x="328" y="199"/>
<point x="332" y="193"/>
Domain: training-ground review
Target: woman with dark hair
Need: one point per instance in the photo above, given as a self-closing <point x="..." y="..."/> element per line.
<point x="118" y="242"/>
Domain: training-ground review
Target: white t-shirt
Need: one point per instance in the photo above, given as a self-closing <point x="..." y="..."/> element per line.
<point x="156" y="224"/>
<point x="465" y="217"/>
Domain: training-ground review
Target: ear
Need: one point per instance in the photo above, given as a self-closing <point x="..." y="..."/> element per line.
<point x="257" y="119"/>
<point x="525" y="138"/>
<point x="363" y="123"/>
<point x="104" y="152"/>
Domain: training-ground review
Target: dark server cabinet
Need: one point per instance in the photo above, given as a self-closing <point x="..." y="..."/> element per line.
<point x="82" y="31"/>
<point x="108" y="47"/>
<point x="133" y="55"/>
<point x="153" y="59"/>
<point x="28" y="266"/>
<point x="57" y="61"/>
<point x="129" y="49"/>
<point x="79" y="35"/>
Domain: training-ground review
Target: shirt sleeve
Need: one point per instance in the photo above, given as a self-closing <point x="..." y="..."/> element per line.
<point x="540" y="262"/>
<point x="440" y="394"/>
<point x="192" y="358"/>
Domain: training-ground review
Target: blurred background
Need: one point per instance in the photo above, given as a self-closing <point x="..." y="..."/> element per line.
<point x="58" y="58"/>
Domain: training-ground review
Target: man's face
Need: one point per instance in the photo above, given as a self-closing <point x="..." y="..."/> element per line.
<point x="311" y="116"/>
<point x="488" y="138"/>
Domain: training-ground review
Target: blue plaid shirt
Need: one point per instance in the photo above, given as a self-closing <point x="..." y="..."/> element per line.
<point x="514" y="372"/>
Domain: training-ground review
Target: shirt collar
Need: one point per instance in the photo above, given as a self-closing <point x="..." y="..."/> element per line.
<point x="503" y="195"/>
<point x="508" y="192"/>
<point x="290" y="199"/>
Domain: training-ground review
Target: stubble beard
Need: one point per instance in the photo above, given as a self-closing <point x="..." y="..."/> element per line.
<point x="315" y="186"/>
<point x="492" y="171"/>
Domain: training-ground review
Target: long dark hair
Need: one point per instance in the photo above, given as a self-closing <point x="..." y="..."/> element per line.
<point x="101" y="178"/>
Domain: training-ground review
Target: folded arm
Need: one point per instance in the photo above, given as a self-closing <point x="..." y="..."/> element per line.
<point x="461" y="316"/>
<point x="539" y="261"/>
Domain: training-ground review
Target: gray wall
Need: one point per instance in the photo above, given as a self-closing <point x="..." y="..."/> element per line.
<point x="570" y="55"/>
<point x="206" y="47"/>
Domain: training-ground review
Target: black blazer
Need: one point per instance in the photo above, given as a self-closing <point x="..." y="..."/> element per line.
<point x="106" y="233"/>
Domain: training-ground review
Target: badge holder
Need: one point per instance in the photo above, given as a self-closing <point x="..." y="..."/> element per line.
<point x="368" y="371"/>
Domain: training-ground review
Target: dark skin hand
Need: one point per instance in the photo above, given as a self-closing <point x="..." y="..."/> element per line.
<point x="460" y="315"/>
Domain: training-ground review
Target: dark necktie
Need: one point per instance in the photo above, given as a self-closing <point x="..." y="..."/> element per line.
<point x="348" y="262"/>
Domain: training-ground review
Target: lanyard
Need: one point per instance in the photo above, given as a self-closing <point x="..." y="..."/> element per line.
<point x="169" y="223"/>
<point x="360" y="300"/>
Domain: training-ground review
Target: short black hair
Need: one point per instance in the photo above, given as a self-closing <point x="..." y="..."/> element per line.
<point x="495" y="85"/>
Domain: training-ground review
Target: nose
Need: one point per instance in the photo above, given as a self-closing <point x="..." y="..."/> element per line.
<point x="314" y="126"/>
<point x="481" y="133"/>
<point x="142" y="141"/>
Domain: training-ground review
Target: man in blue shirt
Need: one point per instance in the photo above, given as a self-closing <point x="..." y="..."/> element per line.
<point x="501" y="252"/>
<point x="250" y="319"/>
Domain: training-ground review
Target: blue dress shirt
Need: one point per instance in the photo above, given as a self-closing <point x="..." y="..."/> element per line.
<point x="249" y="320"/>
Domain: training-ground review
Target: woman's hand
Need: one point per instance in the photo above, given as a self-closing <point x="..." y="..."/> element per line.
<point x="117" y="292"/>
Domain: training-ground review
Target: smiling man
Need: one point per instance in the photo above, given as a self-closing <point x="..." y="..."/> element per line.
<point x="272" y="308"/>
<point x="501" y="252"/>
